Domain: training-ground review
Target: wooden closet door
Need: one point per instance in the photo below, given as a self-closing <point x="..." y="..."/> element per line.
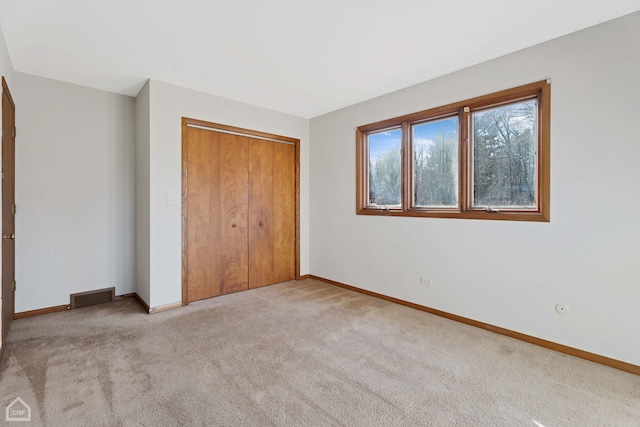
<point x="234" y="194"/>
<point x="272" y="219"/>
<point x="284" y="212"/>
<point x="217" y="186"/>
<point x="261" y="225"/>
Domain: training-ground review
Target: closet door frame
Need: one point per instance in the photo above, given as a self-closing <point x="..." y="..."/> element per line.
<point x="217" y="127"/>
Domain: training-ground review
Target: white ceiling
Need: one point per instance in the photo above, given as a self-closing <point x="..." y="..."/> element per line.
<point x="303" y="57"/>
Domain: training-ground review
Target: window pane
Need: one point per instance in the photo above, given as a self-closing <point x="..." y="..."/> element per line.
<point x="435" y="163"/>
<point x="385" y="168"/>
<point x="505" y="156"/>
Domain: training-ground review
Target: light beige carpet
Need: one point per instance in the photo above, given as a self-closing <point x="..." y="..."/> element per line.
<point x="297" y="354"/>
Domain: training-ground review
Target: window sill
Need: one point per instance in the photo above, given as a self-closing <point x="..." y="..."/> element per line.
<point x="495" y="216"/>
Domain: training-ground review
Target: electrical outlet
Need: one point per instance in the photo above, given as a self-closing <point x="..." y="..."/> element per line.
<point x="426" y="281"/>
<point x="562" y="309"/>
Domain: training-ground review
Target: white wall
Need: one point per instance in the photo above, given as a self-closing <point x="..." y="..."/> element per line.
<point x="510" y="274"/>
<point x="142" y="208"/>
<point x="74" y="191"/>
<point x="6" y="70"/>
<point x="168" y="105"/>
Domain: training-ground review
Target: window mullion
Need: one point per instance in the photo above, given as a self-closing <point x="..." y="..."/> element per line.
<point x="407" y="167"/>
<point x="465" y="159"/>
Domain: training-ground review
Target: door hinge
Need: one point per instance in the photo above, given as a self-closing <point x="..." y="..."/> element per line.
<point x="14" y="209"/>
<point x="13" y="286"/>
<point x="14" y="131"/>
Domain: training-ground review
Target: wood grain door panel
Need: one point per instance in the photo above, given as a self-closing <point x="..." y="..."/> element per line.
<point x="261" y="225"/>
<point x="8" y="217"/>
<point x="284" y="212"/>
<point x="203" y="206"/>
<point x="234" y="191"/>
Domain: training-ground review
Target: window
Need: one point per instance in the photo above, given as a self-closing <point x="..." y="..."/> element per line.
<point x="483" y="158"/>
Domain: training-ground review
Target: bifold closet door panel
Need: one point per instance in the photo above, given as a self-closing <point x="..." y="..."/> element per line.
<point x="261" y="227"/>
<point x="234" y="195"/>
<point x="203" y="205"/>
<point x="284" y="215"/>
<point x="217" y="207"/>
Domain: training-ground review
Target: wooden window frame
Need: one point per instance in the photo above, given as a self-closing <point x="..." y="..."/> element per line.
<point x="540" y="90"/>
